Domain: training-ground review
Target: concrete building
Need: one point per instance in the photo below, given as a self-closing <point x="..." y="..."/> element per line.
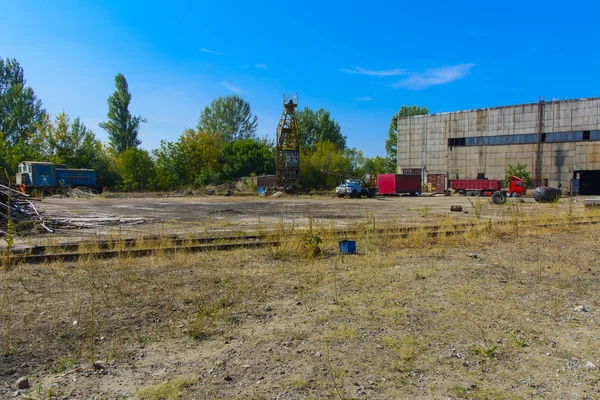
<point x="557" y="140"/>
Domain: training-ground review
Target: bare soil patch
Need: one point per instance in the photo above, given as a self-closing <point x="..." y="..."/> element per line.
<point x="502" y="311"/>
<point x="219" y="214"/>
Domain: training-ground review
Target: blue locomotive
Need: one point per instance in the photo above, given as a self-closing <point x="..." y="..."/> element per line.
<point x="48" y="176"/>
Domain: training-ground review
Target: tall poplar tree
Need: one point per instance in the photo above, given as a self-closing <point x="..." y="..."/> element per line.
<point x="121" y="126"/>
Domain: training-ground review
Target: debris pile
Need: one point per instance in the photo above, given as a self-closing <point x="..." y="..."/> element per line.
<point x="81" y="193"/>
<point x="16" y="208"/>
<point x="96" y="222"/>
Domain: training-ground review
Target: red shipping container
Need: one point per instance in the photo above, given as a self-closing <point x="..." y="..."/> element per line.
<point x="392" y="184"/>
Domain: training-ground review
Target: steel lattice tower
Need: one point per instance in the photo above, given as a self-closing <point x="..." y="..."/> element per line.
<point x="288" y="145"/>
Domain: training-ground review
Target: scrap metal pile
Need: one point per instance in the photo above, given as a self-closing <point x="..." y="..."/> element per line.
<point x="18" y="211"/>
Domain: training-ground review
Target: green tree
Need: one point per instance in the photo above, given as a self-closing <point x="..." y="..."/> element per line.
<point x="519" y="170"/>
<point x="21" y="116"/>
<point x="230" y="118"/>
<point x="327" y="156"/>
<point x="122" y="127"/>
<point x="356" y="158"/>
<point x="188" y="161"/>
<point x="20" y="109"/>
<point x="247" y="157"/>
<point x="69" y="143"/>
<point x="319" y="126"/>
<point x="391" y="144"/>
<point x="136" y="168"/>
<point x="171" y="169"/>
<point x="73" y="144"/>
<point x="378" y="164"/>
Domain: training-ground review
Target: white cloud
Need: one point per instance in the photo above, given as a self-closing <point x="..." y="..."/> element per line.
<point x="261" y="66"/>
<point x="434" y="76"/>
<point x="387" y="72"/>
<point x="233" y="88"/>
<point x="218" y="53"/>
<point x="366" y="98"/>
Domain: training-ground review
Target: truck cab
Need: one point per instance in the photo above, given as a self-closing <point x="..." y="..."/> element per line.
<point x="351" y="187"/>
<point x="516" y="187"/>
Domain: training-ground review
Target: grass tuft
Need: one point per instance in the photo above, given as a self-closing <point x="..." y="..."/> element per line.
<point x="171" y="390"/>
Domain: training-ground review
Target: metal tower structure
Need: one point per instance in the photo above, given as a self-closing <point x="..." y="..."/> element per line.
<point x="288" y="145"/>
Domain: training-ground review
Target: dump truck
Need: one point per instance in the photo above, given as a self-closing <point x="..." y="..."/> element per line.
<point x="395" y="184"/>
<point x="487" y="187"/>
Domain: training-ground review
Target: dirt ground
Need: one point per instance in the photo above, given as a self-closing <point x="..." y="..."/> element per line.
<point x="501" y="311"/>
<point x="218" y="214"/>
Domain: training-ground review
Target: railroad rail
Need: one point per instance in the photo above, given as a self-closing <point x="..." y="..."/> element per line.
<point x="169" y="244"/>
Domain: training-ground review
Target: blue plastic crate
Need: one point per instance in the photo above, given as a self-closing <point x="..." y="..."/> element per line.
<point x="348" y="246"/>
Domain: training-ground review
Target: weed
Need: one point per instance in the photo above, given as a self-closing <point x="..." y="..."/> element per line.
<point x="518" y="339"/>
<point x="10" y="233"/>
<point x="476" y="207"/>
<point x="335" y="375"/>
<point x="485" y="350"/>
<point x="310" y="244"/>
<point x="299" y="382"/>
<point x="341" y="335"/>
<point x="407" y="348"/>
<point x="62" y="364"/>
<point x="3" y="306"/>
<point x="419" y="275"/>
<point x="171" y="390"/>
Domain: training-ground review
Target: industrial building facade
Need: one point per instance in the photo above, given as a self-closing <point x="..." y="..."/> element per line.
<point x="558" y="141"/>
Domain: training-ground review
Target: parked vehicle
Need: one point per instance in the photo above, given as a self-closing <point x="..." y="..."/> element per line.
<point x="395" y="184"/>
<point x="356" y="188"/>
<point x="48" y="177"/>
<point x="487" y="187"/>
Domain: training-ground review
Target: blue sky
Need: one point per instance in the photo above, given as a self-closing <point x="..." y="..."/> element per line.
<point x="359" y="59"/>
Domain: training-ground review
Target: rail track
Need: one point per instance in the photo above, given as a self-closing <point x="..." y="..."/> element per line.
<point x="168" y="244"/>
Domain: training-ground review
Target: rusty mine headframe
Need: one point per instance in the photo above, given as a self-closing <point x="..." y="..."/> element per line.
<point x="288" y="145"/>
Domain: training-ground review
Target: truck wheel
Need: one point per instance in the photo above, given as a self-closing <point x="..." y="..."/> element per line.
<point x="354" y="194"/>
<point x="371" y="193"/>
<point x="514" y="194"/>
<point x="469" y="193"/>
<point x="498" y="198"/>
<point x="477" y="193"/>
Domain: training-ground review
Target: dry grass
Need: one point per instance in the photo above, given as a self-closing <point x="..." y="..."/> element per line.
<point x="171" y="390"/>
<point x="490" y="313"/>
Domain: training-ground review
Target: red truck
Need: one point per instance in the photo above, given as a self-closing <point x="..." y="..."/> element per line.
<point x="394" y="184"/>
<point x="487" y="187"/>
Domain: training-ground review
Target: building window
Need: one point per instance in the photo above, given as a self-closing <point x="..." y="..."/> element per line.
<point x="586" y="135"/>
<point x="529" y="138"/>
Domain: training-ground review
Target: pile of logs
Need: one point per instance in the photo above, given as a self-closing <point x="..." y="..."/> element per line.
<point x="19" y="212"/>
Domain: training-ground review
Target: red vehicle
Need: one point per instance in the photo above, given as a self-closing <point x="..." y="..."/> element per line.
<point x="394" y="184"/>
<point x="487" y="187"/>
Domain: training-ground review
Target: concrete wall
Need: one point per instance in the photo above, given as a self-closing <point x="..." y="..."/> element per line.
<point x="423" y="140"/>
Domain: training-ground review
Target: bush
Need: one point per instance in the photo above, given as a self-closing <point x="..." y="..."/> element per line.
<point x="208" y="177"/>
<point x="519" y="170"/>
